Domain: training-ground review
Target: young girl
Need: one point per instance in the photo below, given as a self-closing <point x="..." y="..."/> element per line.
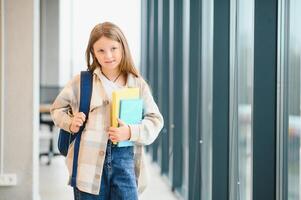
<point x="106" y="171"/>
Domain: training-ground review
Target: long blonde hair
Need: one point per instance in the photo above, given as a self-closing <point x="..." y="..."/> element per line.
<point x="110" y="30"/>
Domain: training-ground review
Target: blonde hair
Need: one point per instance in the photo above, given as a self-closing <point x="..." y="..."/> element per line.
<point x="110" y="30"/>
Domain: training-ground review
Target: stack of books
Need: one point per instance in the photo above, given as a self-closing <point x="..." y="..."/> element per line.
<point x="127" y="106"/>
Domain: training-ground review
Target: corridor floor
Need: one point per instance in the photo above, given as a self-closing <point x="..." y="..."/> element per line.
<point x="53" y="179"/>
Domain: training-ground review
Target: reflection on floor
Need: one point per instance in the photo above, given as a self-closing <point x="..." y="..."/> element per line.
<point x="53" y="182"/>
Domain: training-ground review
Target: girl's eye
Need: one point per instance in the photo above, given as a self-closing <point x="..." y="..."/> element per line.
<point x="101" y="50"/>
<point x="114" y="48"/>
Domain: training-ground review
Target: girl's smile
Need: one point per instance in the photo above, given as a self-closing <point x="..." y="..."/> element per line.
<point x="110" y="62"/>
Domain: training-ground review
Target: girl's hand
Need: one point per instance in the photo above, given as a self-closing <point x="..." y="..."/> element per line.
<point x="77" y="121"/>
<point x="121" y="133"/>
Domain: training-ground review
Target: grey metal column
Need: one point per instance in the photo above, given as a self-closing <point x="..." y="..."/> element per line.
<point x="153" y="53"/>
<point x="171" y="90"/>
<point x="206" y="98"/>
<point x="144" y="37"/>
<point x="145" y="42"/>
<point x="264" y="125"/>
<point x="185" y="98"/>
<point x="282" y="100"/>
<point x="148" y="68"/>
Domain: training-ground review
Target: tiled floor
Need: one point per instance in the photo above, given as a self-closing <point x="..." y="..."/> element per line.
<point x="53" y="182"/>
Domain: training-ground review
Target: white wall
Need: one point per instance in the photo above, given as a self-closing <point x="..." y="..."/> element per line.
<point x="20" y="91"/>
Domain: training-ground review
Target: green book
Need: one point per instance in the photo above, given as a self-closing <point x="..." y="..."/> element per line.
<point x="130" y="113"/>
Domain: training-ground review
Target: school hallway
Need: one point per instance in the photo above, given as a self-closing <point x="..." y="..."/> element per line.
<point x="226" y="76"/>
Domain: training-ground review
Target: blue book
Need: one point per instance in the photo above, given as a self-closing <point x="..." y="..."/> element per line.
<point x="130" y="113"/>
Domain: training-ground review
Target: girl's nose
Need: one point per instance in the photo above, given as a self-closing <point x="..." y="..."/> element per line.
<point x="108" y="54"/>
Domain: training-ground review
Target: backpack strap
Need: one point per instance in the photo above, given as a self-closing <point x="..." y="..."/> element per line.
<point x="86" y="83"/>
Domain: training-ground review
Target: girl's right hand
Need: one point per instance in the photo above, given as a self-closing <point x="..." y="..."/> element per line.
<point x="77" y="121"/>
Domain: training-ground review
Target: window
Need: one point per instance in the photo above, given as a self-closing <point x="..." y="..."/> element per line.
<point x="241" y="98"/>
<point x="289" y="97"/>
<point x="294" y="103"/>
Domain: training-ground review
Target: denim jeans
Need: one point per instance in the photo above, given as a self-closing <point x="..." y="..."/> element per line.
<point x="118" y="181"/>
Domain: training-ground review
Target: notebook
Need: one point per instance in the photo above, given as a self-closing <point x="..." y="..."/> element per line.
<point x="130" y="113"/>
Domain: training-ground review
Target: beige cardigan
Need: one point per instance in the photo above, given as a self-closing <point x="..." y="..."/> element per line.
<point x="94" y="137"/>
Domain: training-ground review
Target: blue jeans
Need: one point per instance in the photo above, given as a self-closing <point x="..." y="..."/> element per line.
<point x="118" y="179"/>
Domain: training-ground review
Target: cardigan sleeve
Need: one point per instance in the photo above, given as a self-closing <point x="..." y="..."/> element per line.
<point x="152" y="123"/>
<point x="65" y="104"/>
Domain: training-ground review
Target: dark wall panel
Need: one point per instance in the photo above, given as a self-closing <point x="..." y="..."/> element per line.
<point x="220" y="120"/>
<point x="163" y="80"/>
<point x="194" y="172"/>
<point x="265" y="73"/>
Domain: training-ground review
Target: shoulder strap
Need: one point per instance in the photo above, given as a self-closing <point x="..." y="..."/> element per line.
<point x="85" y="94"/>
<point x="86" y="83"/>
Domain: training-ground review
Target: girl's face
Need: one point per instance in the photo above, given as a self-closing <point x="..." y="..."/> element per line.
<point x="108" y="53"/>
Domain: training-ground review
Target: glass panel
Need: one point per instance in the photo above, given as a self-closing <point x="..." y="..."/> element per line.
<point x="206" y="96"/>
<point x="294" y="103"/>
<point x="245" y="65"/>
<point x="241" y="98"/>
